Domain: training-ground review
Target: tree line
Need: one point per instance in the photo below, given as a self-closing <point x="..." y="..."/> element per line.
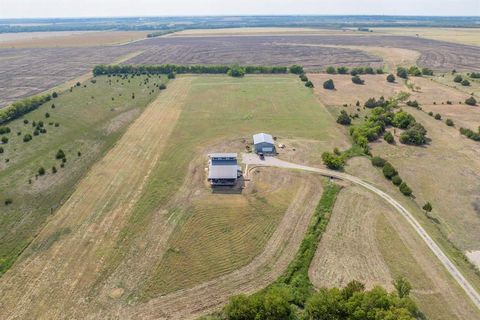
<point x="196" y="69"/>
<point x="19" y="108"/>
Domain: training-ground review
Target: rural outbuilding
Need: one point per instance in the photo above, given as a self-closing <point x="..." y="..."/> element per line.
<point x="263" y="143"/>
<point x="223" y="169"/>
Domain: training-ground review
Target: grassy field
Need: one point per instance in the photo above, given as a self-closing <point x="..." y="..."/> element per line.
<point x="147" y="209"/>
<point x="89" y="121"/>
<point x="469" y="36"/>
<point x="69" y="39"/>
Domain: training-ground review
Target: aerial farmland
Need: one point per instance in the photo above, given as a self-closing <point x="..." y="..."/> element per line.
<point x="370" y="187"/>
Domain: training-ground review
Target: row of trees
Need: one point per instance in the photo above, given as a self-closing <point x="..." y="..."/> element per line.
<point x="19" y="108"/>
<point x="196" y="69"/>
<point x="471" y="134"/>
<point x="415" y="71"/>
<point x="391" y="174"/>
<point x="354" y="71"/>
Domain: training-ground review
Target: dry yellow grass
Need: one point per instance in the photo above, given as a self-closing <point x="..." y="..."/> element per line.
<point x="469" y="36"/>
<point x="70" y="39"/>
<point x="93" y="217"/>
<point x="346" y="92"/>
<point x="401" y="250"/>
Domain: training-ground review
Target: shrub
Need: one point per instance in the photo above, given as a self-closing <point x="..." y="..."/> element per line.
<point x="60" y="154"/>
<point x="236" y="71"/>
<point x="4" y="130"/>
<point x="296" y="69"/>
<point x="449" y="122"/>
<point x="438" y="116"/>
<point x="379" y="71"/>
<point x="332" y="161"/>
<point x="378" y="162"/>
<point x="329" y="85"/>
<point x="27" y="137"/>
<point x="47" y="115"/>
<point x="415" y="135"/>
<point x="54" y="170"/>
<point x="405" y="189"/>
<point x="331" y="70"/>
<point x="475" y="75"/>
<point x="25" y="121"/>
<point x="389" y="171"/>
<point x="344" y="118"/>
<point x="79" y="154"/>
<point x="430" y="114"/>
<point x="414" y="71"/>
<point x="309" y="84"/>
<point x="413" y="104"/>
<point x="391" y="78"/>
<point x="388" y="137"/>
<point x="4" y="140"/>
<point x="36" y="132"/>
<point x="458" y="79"/>
<point x="171" y="75"/>
<point x="402" y="72"/>
<point x="449" y="102"/>
<point x="41" y="171"/>
<point x="57" y="124"/>
<point x="303" y="77"/>
<point x="162" y="86"/>
<point x="54" y="95"/>
<point x="470" y="134"/>
<point x="8" y="201"/>
<point x="1" y="150"/>
<point x="396" y="180"/>
<point x="369" y="70"/>
<point x="342" y="70"/>
<point x="403" y="120"/>
<point x="465" y="83"/>
<point x="471" y="101"/>
<point x="427" y="72"/>
<point x="53" y="106"/>
<point x="357" y="80"/>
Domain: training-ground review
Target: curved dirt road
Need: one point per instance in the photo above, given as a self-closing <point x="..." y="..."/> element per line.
<point x="252" y="159"/>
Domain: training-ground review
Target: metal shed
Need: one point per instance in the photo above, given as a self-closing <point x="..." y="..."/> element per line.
<point x="263" y="142"/>
<point x="223" y="169"/>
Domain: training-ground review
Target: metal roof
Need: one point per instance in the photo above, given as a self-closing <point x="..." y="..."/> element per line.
<point x="262" y="137"/>
<point x="222" y="172"/>
<point x="223" y="156"/>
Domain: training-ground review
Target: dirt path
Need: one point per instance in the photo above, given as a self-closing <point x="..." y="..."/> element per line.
<point x="57" y="270"/>
<point x="451" y="268"/>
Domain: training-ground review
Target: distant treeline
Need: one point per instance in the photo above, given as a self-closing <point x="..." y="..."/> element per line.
<point x="172" y="68"/>
<point x="19" y="108"/>
<point x="160" y="33"/>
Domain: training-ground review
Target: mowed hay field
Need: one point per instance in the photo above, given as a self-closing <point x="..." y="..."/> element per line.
<point x="367" y="240"/>
<point x="88" y="120"/>
<point x="70" y="39"/>
<point x="144" y="201"/>
<point x="470" y="36"/>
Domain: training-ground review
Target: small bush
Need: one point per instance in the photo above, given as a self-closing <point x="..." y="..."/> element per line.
<point x="391" y="78"/>
<point x="430" y="114"/>
<point x="405" y="189"/>
<point x="54" y="95"/>
<point x="438" y="116"/>
<point x="8" y="201"/>
<point x="27" y="137"/>
<point x="449" y="122"/>
<point x="47" y="115"/>
<point x="458" y="79"/>
<point x="342" y="70"/>
<point x="25" y="121"/>
<point x="378" y="162"/>
<point x="396" y="180"/>
<point x="162" y="87"/>
<point x="303" y="77"/>
<point x="41" y="171"/>
<point x="402" y="72"/>
<point x="4" y="140"/>
<point x="389" y="171"/>
<point x="54" y="170"/>
<point x="413" y="104"/>
<point x="465" y="83"/>
<point x="357" y="80"/>
<point x="471" y="101"/>
<point x="332" y="161"/>
<point x="379" y="71"/>
<point x="309" y="84"/>
<point x="1" y="150"/>
<point x="296" y="69"/>
<point x="329" y="85"/>
<point x="388" y="137"/>
<point x="344" y="118"/>
<point x="427" y="72"/>
<point x="60" y="154"/>
<point x="171" y="75"/>
<point x="331" y="70"/>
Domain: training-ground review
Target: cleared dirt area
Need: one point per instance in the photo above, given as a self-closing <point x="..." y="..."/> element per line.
<point x="469" y="36"/>
<point x="401" y="250"/>
<point x="70" y="39"/>
<point x="94" y="216"/>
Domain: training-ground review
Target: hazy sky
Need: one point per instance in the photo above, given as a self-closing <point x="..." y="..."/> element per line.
<point x="100" y="8"/>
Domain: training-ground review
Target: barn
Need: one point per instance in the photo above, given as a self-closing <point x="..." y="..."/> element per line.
<point x="223" y="169"/>
<point x="263" y="143"/>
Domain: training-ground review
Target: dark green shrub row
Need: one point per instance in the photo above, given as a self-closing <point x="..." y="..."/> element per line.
<point x="391" y="173"/>
<point x="354" y="71"/>
<point x="196" y="69"/>
<point x="471" y="134"/>
<point x="19" y="108"/>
